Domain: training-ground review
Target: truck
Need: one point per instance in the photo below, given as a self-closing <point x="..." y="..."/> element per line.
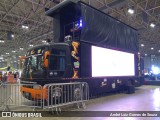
<point x="88" y="46"/>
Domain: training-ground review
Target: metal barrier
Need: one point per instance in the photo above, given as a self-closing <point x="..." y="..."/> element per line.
<point x="15" y="95"/>
<point x="61" y="94"/>
<point x="50" y="96"/>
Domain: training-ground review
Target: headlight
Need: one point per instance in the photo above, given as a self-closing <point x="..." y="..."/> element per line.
<point x="51" y="73"/>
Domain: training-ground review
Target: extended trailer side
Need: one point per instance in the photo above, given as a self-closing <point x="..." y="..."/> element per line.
<point x="105" y="69"/>
<point x="87" y="26"/>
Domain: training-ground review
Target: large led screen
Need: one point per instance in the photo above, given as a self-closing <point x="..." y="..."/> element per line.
<point x="108" y="62"/>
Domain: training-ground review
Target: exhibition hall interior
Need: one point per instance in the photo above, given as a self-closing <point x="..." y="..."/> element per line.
<point x="80" y="59"/>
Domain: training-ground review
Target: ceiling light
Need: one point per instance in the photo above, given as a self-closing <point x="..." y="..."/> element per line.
<point x="152" y="48"/>
<point x="12" y="36"/>
<point x="1" y="57"/>
<point x="44" y="41"/>
<point x="158" y="50"/>
<point x="25" y="27"/>
<point x="7" y="53"/>
<point x="15" y="61"/>
<point x="142" y="45"/>
<point x="31" y="45"/>
<point x="131" y="11"/>
<point x="1" y="41"/>
<point x="152" y="25"/>
<point x="21" y="48"/>
<point x="145" y="54"/>
<point x="13" y="51"/>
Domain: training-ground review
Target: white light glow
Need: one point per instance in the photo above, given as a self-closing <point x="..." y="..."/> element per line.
<point x="145" y="54"/>
<point x="142" y="45"/>
<point x="12" y="36"/>
<point x="152" y="25"/>
<point x="131" y="11"/>
<point x="25" y="27"/>
<point x="31" y="45"/>
<point x="152" y="48"/>
<point x="155" y="69"/>
<point x="21" y="48"/>
<point x="44" y="41"/>
<point x="107" y="62"/>
<point x="1" y="41"/>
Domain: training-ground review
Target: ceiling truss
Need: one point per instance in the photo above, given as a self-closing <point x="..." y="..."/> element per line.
<point x="15" y="13"/>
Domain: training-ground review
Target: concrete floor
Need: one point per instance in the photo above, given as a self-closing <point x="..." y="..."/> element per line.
<point x="145" y="98"/>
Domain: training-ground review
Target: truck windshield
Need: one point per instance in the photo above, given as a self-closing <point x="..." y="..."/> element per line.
<point x="33" y="62"/>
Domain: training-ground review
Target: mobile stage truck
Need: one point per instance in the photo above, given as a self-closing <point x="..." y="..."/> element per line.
<point x="88" y="46"/>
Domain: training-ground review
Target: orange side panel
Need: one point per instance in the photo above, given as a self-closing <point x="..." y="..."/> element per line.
<point x="35" y="93"/>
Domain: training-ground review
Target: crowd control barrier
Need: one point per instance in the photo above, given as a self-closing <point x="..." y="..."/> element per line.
<point x="50" y="96"/>
<point x="11" y="95"/>
<point x="62" y="94"/>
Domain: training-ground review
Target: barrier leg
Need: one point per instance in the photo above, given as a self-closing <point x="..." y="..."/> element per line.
<point x="83" y="105"/>
<point x="6" y="108"/>
<point x="52" y="110"/>
<point x="34" y="109"/>
<point x="78" y="105"/>
<point x="57" y="110"/>
<point x="60" y="110"/>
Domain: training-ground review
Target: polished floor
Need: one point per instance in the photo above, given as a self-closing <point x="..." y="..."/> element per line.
<point x="145" y="98"/>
